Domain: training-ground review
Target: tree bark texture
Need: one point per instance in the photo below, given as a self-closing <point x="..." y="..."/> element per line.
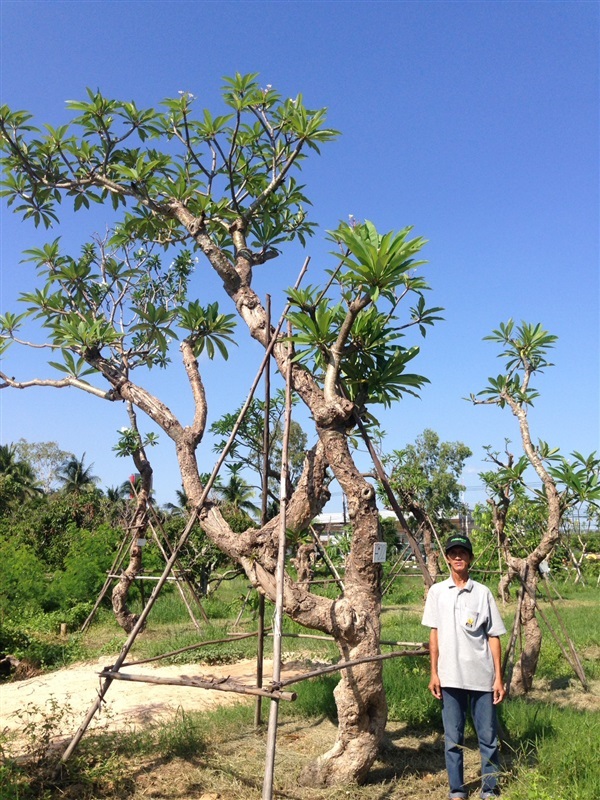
<point x="525" y="667"/>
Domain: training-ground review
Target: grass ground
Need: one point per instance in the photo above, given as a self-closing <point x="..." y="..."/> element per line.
<point x="552" y="750"/>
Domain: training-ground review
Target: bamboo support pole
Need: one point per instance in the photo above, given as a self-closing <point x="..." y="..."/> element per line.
<point x="576" y="667"/>
<point x="117" y="561"/>
<point x="260" y="655"/>
<point x="231" y="638"/>
<point x="324" y="638"/>
<point x="395" y="570"/>
<point x="267" y="792"/>
<point x="97" y="703"/>
<point x="141" y="577"/>
<point x="260" y="642"/>
<point x="219" y="685"/>
<point x="409" y="575"/>
<point x="167" y="549"/>
<point x="422" y="651"/>
<point x="166" y="552"/>
<point x="241" y="611"/>
<point x="393" y="501"/>
<point x="576" y="664"/>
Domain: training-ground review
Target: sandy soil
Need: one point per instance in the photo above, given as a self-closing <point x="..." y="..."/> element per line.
<point x="126" y="704"/>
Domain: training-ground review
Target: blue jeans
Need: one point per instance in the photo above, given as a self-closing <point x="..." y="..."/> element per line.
<point x="454" y="715"/>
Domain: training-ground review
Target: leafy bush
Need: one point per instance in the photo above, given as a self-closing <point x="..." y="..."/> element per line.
<point x="13" y="639"/>
<point x="86" y="563"/>
<point x="23" y="584"/>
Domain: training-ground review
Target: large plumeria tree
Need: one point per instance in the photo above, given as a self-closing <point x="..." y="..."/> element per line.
<point x="224" y="187"/>
<point x="564" y="482"/>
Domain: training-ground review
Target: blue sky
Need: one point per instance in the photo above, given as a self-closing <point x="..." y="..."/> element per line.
<point x="475" y="122"/>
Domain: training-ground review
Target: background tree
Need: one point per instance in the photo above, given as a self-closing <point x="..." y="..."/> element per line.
<point x="224" y="185"/>
<point x="117" y="494"/>
<point x="74" y="477"/>
<point x="247" y="448"/>
<point x="45" y="459"/>
<point x="564" y="482"/>
<point x="17" y="477"/>
<point x="235" y="496"/>
<point x="425" y="477"/>
<point x="182" y="507"/>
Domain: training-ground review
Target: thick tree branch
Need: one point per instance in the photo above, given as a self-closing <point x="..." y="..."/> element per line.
<point x="336" y="353"/>
<point x="200" y="406"/>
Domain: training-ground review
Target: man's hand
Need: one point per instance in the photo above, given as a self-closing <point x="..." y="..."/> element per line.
<point x="434" y="652"/>
<point x="434" y="686"/>
<point x="499" y="691"/>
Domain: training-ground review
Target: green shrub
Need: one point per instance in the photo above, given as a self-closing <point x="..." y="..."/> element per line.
<point x="23" y="584"/>
<point x="13" y="639"/>
<point x="86" y="563"/>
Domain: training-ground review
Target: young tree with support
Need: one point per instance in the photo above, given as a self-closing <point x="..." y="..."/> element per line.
<point x="564" y="483"/>
<point x="223" y="186"/>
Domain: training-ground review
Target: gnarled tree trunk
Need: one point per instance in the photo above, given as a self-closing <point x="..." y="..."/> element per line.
<point x="525" y="668"/>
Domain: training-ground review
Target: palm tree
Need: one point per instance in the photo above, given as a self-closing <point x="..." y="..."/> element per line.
<point x="75" y="477"/>
<point x="132" y="486"/>
<point x="117" y="494"/>
<point x="236" y="493"/>
<point x="180" y="508"/>
<point x="20" y="473"/>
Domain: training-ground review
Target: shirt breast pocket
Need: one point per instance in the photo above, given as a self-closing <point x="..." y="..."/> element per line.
<point x="471" y="620"/>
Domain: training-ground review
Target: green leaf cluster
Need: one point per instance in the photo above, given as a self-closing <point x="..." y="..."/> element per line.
<point x="525" y="349"/>
<point x="362" y="326"/>
<point x="115" y="306"/>
<point x="220" y="168"/>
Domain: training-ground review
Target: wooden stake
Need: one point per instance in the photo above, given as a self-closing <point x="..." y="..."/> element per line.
<point x="393" y="501"/>
<point x="326" y="559"/>
<point x="267" y="793"/>
<point x="260" y="643"/>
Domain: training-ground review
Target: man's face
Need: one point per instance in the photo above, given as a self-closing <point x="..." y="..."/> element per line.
<point x="459" y="557"/>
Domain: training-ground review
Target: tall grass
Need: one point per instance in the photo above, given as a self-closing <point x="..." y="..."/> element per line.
<point x="553" y="753"/>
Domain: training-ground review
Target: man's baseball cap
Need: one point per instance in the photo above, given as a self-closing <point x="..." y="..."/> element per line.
<point x="458" y="540"/>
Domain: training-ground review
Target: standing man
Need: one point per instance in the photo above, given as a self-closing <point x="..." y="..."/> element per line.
<point x="465" y="664"/>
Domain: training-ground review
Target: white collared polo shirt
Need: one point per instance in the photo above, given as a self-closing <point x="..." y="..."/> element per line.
<point x="465" y="619"/>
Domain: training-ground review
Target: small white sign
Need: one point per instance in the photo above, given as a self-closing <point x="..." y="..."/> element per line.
<point x="141" y="542"/>
<point x="379" y="552"/>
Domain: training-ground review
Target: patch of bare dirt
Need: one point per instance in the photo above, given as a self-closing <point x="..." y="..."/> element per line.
<point x="127" y="705"/>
